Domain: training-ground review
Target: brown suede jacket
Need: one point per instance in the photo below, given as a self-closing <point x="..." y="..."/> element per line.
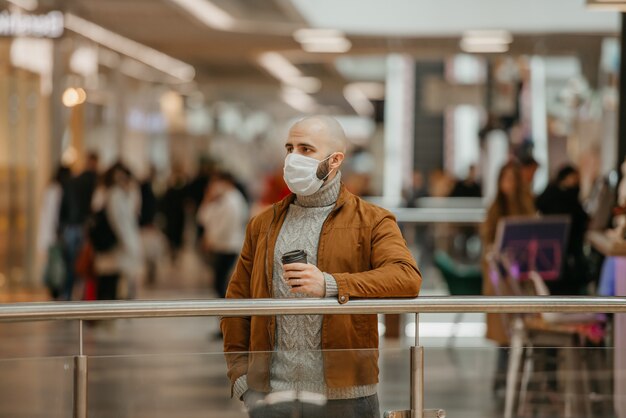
<point x="362" y="247"/>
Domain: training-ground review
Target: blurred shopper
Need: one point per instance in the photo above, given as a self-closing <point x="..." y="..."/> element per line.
<point x="115" y="232"/>
<point x="75" y="210"/>
<point x="275" y="188"/>
<point x="469" y="187"/>
<point x="512" y="199"/>
<point x="173" y="207"/>
<point x="561" y="197"/>
<point x="150" y="236"/>
<point x="197" y="188"/>
<point x="440" y="183"/>
<point x="418" y="189"/>
<point x="529" y="168"/>
<point x="353" y="249"/>
<point x="466" y="237"/>
<point x="223" y="215"/>
<point x="49" y="241"/>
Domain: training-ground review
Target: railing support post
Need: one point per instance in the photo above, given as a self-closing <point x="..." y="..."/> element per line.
<point x="417" y="374"/>
<point x="417" y="384"/>
<point x="80" y="379"/>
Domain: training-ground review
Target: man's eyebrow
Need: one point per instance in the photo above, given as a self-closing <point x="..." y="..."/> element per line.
<point x="304" y="144"/>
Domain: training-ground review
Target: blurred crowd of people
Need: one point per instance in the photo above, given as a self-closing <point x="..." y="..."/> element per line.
<point x="103" y="231"/>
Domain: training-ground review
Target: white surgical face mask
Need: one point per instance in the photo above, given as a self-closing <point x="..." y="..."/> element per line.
<point x="300" y="174"/>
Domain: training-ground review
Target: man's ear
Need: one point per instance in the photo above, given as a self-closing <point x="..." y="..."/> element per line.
<point x="336" y="160"/>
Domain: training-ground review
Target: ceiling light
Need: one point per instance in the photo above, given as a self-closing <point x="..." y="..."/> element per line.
<point x="372" y="90"/>
<point x="279" y="66"/>
<point x="328" y="46"/>
<point x="322" y="40"/>
<point x="128" y="47"/>
<point x="306" y="84"/>
<point x="486" y="41"/>
<point x="208" y="13"/>
<point x="358" y="100"/>
<point x="488" y="37"/>
<point x="282" y="69"/>
<point x="313" y="35"/>
<point x="74" y="96"/>
<point x="299" y="100"/>
<point x="483" y="48"/>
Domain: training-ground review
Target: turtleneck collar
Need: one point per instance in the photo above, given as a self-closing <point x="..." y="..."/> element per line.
<point x="326" y="196"/>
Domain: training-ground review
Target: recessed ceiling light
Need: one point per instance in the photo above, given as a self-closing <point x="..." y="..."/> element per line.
<point x="299" y="100"/>
<point x="358" y="100"/>
<point x="306" y="84"/>
<point x="488" y="37"/>
<point x="279" y="66"/>
<point x="322" y="40"/>
<point x="486" y="41"/>
<point x="329" y="46"/>
<point x="483" y="48"/>
<point x="313" y="35"/>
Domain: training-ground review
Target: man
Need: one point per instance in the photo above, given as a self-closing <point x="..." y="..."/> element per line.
<point x="354" y="250"/>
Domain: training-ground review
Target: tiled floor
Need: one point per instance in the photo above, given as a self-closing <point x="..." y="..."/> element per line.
<point x="175" y="368"/>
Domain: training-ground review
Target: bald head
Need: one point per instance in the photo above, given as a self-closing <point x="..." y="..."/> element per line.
<point x="324" y="130"/>
<point x="321" y="138"/>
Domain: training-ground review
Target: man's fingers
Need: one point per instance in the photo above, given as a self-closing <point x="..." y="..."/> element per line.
<point x="296" y="267"/>
<point x="294" y="274"/>
<point x="301" y="289"/>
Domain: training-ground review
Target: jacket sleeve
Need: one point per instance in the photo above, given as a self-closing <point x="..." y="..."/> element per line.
<point x="236" y="330"/>
<point x="394" y="272"/>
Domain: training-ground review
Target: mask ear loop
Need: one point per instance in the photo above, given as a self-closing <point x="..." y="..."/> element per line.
<point x="329" y="171"/>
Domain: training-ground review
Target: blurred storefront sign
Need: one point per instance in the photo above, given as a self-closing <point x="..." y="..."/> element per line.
<point x="439" y="94"/>
<point x="50" y="25"/>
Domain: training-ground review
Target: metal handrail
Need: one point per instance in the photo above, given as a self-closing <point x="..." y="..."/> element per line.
<point x="248" y="307"/>
<point x="439" y="215"/>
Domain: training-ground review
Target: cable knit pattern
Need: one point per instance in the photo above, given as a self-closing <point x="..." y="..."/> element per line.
<point x="297" y="363"/>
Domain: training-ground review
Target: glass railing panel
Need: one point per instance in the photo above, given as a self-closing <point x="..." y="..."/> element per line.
<point x="38" y="339"/>
<point x="36" y="387"/>
<point x="176" y="367"/>
<point x="196" y="385"/>
<point x="546" y="382"/>
<point x="160" y="385"/>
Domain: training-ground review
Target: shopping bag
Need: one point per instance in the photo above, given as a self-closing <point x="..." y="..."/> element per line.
<point x="55" y="271"/>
